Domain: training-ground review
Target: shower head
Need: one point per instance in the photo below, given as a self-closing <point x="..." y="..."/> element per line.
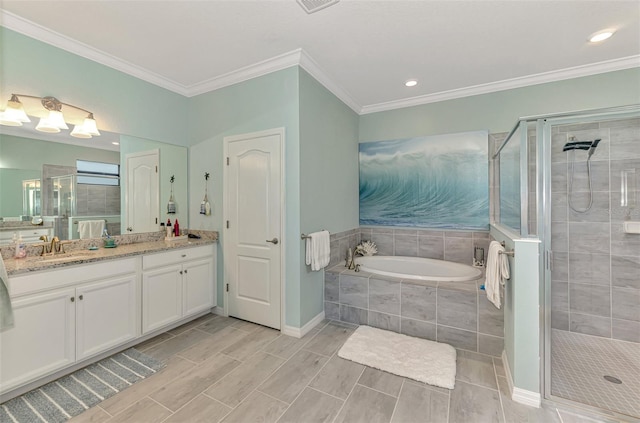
<point x="577" y="145"/>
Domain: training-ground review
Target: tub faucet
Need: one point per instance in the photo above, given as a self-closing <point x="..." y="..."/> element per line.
<point x="351" y="261"/>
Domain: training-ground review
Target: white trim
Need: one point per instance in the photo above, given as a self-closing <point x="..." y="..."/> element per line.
<point x="311" y="66"/>
<point x="300" y="332"/>
<point x="508" y="84"/>
<point x="522" y="396"/>
<point x="48" y="36"/>
<point x="300" y="58"/>
<point x="220" y="311"/>
<point x="525" y="397"/>
<point x="282" y="61"/>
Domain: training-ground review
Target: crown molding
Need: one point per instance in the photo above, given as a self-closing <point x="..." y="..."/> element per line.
<point x="282" y="61"/>
<point x="40" y="33"/>
<point x="311" y="66"/>
<point x="508" y="84"/>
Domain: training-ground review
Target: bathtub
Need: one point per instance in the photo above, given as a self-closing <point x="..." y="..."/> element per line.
<point x="418" y="268"/>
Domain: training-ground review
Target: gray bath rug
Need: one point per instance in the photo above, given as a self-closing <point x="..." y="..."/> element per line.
<point x="426" y="361"/>
<point x="71" y="395"/>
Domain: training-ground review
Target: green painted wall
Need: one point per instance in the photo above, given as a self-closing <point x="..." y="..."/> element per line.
<point x="328" y="177"/>
<point x="173" y="161"/>
<point x="121" y="103"/>
<point x="11" y="189"/>
<point x="499" y="111"/>
<point x="266" y="102"/>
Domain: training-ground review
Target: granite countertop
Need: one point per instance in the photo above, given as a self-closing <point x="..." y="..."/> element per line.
<point x="36" y="263"/>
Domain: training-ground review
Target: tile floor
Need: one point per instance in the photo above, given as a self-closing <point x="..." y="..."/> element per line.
<point x="580" y="362"/>
<point x="227" y="370"/>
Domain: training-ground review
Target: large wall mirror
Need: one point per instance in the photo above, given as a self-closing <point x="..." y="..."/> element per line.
<point x="61" y="181"/>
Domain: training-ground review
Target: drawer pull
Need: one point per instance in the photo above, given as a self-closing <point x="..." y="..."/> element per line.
<point x="184" y="255"/>
<point x="81" y="297"/>
<point x="72" y="299"/>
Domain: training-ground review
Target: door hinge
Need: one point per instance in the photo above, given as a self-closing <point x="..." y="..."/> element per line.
<point x="227" y="161"/>
<point x="227" y="224"/>
<point x="227" y="287"/>
<point x="156" y="220"/>
<point x="156" y="169"/>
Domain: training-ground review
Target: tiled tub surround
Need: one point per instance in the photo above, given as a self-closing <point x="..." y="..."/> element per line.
<point x="595" y="286"/>
<point x="450" y="245"/>
<point x="457" y="313"/>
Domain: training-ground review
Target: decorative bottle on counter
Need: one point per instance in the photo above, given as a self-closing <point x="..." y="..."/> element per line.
<point x="169" y="232"/>
<point x="176" y="228"/>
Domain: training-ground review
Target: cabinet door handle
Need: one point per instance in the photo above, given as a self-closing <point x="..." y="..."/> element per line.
<point x="72" y="299"/>
<point x="181" y="272"/>
<point x="184" y="255"/>
<point x="185" y="271"/>
<point x="81" y="297"/>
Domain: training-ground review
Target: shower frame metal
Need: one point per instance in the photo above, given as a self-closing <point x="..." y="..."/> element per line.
<point x="544" y="124"/>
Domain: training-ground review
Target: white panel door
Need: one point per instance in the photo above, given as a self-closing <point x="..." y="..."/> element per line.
<point x="142" y="196"/>
<point x="43" y="339"/>
<point x="106" y="315"/>
<point x="253" y="239"/>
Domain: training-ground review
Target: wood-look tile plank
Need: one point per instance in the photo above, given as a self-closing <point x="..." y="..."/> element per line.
<point x="338" y="377"/>
<point x="214" y="325"/>
<point x="249" y="345"/>
<point x="144" y="346"/>
<point x="381" y="381"/>
<point x="213" y="344"/>
<point x="312" y="407"/>
<point x="175" y="367"/>
<point x="145" y="410"/>
<point x="193" y="324"/>
<point x="201" y="410"/>
<point x="471" y="403"/>
<point x="258" y="407"/>
<point x="290" y="379"/>
<point x="418" y="403"/>
<point x="238" y="384"/>
<point x="193" y="382"/>
<point x="176" y="344"/>
<point x="286" y="346"/>
<point x="329" y="339"/>
<point x="365" y="405"/>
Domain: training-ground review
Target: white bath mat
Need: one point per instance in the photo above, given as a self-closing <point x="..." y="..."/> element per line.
<point x="426" y="361"/>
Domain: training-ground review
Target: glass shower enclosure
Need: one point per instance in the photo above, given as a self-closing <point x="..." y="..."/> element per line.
<point x="571" y="180"/>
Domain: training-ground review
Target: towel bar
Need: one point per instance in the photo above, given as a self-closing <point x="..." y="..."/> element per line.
<point x="508" y="253"/>
<point x="76" y="222"/>
<point x="305" y="236"/>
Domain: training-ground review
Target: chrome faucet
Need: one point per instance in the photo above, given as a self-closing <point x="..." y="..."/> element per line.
<point x="351" y="261"/>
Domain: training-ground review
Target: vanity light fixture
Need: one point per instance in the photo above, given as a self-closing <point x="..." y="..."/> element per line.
<point x="15" y="115"/>
<point x="601" y="35"/>
<point x="411" y="83"/>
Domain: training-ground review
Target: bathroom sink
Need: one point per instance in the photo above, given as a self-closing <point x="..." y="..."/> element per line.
<point x="65" y="257"/>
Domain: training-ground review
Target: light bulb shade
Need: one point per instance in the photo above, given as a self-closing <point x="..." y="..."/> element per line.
<point x="79" y="132"/>
<point x="46" y="126"/>
<point x="14" y="114"/>
<point x="89" y="126"/>
<point x="56" y="118"/>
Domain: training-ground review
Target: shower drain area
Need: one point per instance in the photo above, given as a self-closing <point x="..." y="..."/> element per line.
<point x="600" y="372"/>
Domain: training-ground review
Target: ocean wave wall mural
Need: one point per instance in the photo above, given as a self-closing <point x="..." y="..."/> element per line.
<point x="430" y="182"/>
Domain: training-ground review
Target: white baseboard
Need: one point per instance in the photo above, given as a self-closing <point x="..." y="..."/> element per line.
<point x="300" y="332"/>
<point x="519" y="395"/>
<point x="218" y="310"/>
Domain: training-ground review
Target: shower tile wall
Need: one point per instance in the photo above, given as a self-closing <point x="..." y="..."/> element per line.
<point x="97" y="200"/>
<point x="595" y="286"/>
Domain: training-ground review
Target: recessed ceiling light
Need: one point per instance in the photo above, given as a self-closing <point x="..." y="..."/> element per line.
<point x="601" y="35"/>
<point x="411" y="83"/>
<point x="115" y="143"/>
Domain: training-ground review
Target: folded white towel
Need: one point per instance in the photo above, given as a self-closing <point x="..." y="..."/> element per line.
<point x="318" y="253"/>
<point x="497" y="272"/>
<point x="90" y="228"/>
<point x="6" y="311"/>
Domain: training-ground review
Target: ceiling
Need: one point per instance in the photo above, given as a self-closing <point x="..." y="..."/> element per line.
<point x="363" y="51"/>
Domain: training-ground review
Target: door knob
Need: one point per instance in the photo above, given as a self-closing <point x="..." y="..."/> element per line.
<point x="274" y="241"/>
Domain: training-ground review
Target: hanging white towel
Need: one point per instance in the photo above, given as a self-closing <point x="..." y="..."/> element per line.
<point x="318" y="253"/>
<point x="6" y="311"/>
<point x="497" y="272"/>
<point x="90" y="228"/>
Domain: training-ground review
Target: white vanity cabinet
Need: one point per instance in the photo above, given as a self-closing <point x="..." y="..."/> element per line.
<point x="63" y="316"/>
<point x="177" y="284"/>
<point x="28" y="235"/>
